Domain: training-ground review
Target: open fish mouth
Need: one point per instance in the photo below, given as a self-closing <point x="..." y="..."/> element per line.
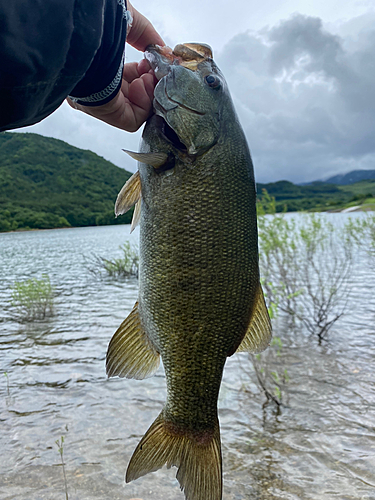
<point x="163" y="61"/>
<point x="188" y="55"/>
<point x="171" y="135"/>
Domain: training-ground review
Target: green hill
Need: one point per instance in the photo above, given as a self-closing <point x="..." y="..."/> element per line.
<point x="351" y="177"/>
<point x="294" y="197"/>
<point x="319" y="196"/>
<point x="46" y="183"/>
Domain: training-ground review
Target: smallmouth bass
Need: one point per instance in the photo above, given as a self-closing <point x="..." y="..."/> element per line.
<point x="200" y="298"/>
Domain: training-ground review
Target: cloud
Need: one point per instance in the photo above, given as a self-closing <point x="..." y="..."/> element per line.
<point x="303" y="89"/>
<point x="305" y="97"/>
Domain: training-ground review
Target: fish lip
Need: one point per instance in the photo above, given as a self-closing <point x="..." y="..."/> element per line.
<point x="159" y="61"/>
<point x="162" y="60"/>
<point x="189" y="55"/>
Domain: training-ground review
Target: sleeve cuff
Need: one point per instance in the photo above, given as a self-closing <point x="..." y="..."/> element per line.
<point x="105" y="95"/>
<point x="86" y="93"/>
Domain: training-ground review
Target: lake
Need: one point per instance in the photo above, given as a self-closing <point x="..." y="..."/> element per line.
<point x="320" y="445"/>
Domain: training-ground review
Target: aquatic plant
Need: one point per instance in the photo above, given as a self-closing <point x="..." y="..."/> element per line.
<point x="8" y="386"/>
<point x="33" y="298"/>
<point x="271" y="379"/>
<point x="306" y="265"/>
<point x="60" y="447"/>
<point x="362" y="230"/>
<point x="122" y="267"/>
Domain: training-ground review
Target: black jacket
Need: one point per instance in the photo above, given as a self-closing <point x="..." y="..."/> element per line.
<point x="50" y="49"/>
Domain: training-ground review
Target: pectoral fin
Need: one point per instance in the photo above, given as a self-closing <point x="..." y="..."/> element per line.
<point x="259" y="333"/>
<point x="130" y="353"/>
<point x="156" y="159"/>
<point x="136" y="215"/>
<point x="129" y="194"/>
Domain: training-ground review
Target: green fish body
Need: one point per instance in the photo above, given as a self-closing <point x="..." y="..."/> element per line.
<point x="200" y="298"/>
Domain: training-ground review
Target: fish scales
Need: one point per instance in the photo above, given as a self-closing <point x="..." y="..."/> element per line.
<point x="199" y="292"/>
<point x="197" y="274"/>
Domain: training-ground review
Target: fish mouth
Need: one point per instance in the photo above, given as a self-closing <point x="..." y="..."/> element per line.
<point x="171" y="136"/>
<point x="163" y="61"/>
<point x="189" y="55"/>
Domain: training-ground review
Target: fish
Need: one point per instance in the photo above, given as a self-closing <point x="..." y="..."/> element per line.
<point x="200" y="298"/>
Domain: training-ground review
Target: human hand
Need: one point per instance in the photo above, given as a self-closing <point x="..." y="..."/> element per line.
<point x="142" y="32"/>
<point x="132" y="105"/>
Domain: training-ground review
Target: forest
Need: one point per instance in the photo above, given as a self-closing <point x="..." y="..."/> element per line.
<point x="46" y="183"/>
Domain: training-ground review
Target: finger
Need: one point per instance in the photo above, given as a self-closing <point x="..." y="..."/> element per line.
<point x="140" y="95"/>
<point x="143" y="67"/>
<point x="142" y="32"/>
<point x="130" y="71"/>
<point x="149" y="81"/>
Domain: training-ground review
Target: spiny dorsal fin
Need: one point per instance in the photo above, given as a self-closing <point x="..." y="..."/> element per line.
<point x="156" y="159"/>
<point x="259" y="333"/>
<point x="130" y="353"/>
<point x="198" y="461"/>
<point x="136" y="215"/>
<point x="129" y="194"/>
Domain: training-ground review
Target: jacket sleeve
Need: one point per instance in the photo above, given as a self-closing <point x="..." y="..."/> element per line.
<point x="58" y="48"/>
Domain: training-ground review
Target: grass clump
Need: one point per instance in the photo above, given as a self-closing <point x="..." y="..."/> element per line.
<point x="60" y="447"/>
<point x="33" y="299"/>
<point x="8" y="385"/>
<point x="123" y="267"/>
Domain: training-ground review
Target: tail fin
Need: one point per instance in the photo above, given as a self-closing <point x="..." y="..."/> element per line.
<point x="198" y="459"/>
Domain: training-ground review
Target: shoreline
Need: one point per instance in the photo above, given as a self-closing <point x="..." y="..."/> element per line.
<point x="23" y="230"/>
<point x="354" y="209"/>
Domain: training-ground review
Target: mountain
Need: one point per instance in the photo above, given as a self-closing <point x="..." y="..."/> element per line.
<point x="348" y="178"/>
<point x="292" y="197"/>
<point x="352" y="177"/>
<point x="46" y="183"/>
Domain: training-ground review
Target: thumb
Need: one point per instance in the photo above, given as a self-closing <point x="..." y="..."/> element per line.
<point x="142" y="33"/>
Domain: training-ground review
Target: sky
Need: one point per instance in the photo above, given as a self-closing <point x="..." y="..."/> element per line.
<point x="301" y="75"/>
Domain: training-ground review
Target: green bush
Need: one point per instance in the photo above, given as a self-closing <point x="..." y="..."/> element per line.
<point x="305" y="269"/>
<point x="362" y="230"/>
<point x="125" y="266"/>
<point x="33" y="298"/>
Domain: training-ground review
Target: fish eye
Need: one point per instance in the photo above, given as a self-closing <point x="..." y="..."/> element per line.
<point x="213" y="81"/>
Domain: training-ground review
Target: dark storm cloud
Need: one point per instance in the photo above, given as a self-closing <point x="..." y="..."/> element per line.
<point x="306" y="98"/>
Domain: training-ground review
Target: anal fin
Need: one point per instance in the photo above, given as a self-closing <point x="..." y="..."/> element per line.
<point x="130" y="353"/>
<point x="259" y="332"/>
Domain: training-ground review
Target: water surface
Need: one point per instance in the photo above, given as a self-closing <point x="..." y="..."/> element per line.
<point x="321" y="445"/>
